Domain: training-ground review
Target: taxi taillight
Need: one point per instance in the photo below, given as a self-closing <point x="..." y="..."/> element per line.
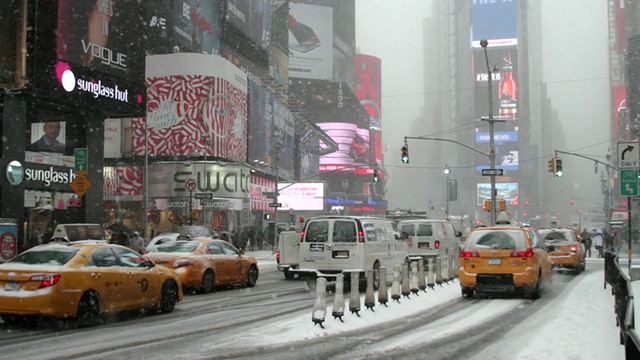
<point x="574" y="248"/>
<point x="521" y="253"/>
<point x="46" y="280"/>
<point x="302" y="236"/>
<point x="469" y="253"/>
<point x="182" y="263"/>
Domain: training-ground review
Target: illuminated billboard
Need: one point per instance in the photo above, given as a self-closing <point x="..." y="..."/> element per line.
<point x="506" y="191"/>
<point x="506" y="146"/>
<point x="495" y="21"/>
<point x="504" y="83"/>
<point x="301" y="196"/>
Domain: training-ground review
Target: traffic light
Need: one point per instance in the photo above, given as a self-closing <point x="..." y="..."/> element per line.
<point x="558" y="171"/>
<point x="405" y="154"/>
<point x="571" y="201"/>
<point x="267" y="216"/>
<point x="375" y="175"/>
<point x="552" y="165"/>
<point x="503" y="205"/>
<point x="487" y="205"/>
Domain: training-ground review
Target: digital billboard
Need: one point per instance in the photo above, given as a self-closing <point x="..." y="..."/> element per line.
<point x="506" y="191"/>
<point x="504" y="82"/>
<point x="284" y="124"/>
<point x="495" y="21"/>
<point x="258" y="124"/>
<point x="368" y="91"/>
<point x="253" y="18"/>
<point x="506" y="147"/>
<point x="196" y="25"/>
<point x="301" y="196"/>
<point x="310" y="41"/>
<point x="196" y="102"/>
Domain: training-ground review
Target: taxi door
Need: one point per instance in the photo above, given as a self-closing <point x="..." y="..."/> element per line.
<point x="141" y="286"/>
<point x="103" y="273"/>
<point x="218" y="261"/>
<point x="236" y="270"/>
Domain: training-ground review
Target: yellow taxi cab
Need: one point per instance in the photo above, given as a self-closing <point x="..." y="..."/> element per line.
<point x="504" y="258"/>
<point x="203" y="264"/>
<point x="83" y="281"/>
<point x="565" y="250"/>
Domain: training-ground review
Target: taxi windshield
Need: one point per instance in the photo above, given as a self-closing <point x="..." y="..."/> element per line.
<point x="496" y="239"/>
<point x="57" y="256"/>
<point x="177" y="247"/>
<point x="554" y="235"/>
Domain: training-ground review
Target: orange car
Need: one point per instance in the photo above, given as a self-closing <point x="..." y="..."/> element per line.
<point x="203" y="264"/>
<point x="564" y="249"/>
<point x="83" y="281"/>
<point x="504" y="258"/>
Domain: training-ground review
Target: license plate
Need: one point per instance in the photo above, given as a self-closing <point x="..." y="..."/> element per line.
<point x="12" y="286"/>
<point x="423" y="245"/>
<point x="341" y="254"/>
<point x="495" y="261"/>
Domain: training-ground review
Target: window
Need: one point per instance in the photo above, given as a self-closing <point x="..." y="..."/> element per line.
<point x="317" y="231"/>
<point x="52" y="255"/>
<point x="103" y="257"/>
<point x="344" y="231"/>
<point x="425" y="230"/>
<point x="177" y="247"/>
<point x="214" y="248"/>
<point x="163" y="240"/>
<point x="129" y="258"/>
<point x="370" y="231"/>
<point x="497" y="239"/>
<point x="408" y="228"/>
<point x="227" y="248"/>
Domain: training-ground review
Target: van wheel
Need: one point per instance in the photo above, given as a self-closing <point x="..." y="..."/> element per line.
<point x="376" y="276"/>
<point x="289" y="275"/>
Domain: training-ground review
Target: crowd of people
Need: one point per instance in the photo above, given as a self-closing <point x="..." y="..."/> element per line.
<point x="603" y="240"/>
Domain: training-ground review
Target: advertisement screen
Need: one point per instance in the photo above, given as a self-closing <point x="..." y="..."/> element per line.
<point x="310" y="41"/>
<point x="504" y="83"/>
<point x="196" y="25"/>
<point x="259" y="129"/>
<point x="195" y="102"/>
<point x="283" y="124"/>
<point x="506" y="191"/>
<point x="506" y="145"/>
<point x="353" y="145"/>
<point x="301" y="196"/>
<point x="253" y="18"/>
<point x="49" y="137"/>
<point x="368" y="90"/>
<point x="101" y="35"/>
<point x="495" y="21"/>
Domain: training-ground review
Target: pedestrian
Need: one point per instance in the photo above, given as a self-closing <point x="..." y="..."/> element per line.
<point x="586" y="240"/>
<point x="137" y="242"/>
<point x="598" y="241"/>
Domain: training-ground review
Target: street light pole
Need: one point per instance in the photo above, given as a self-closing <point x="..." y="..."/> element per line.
<point x="446" y="172"/>
<point x="145" y="207"/>
<point x="492" y="148"/>
<point x="205" y="177"/>
<point x="276" y="135"/>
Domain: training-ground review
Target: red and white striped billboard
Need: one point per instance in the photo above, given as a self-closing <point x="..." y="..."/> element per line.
<point x="258" y="185"/>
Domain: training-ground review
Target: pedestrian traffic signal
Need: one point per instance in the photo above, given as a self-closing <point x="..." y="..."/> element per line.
<point x="558" y="171"/>
<point x="405" y="154"/>
<point x="375" y="175"/>
<point x="552" y="165"/>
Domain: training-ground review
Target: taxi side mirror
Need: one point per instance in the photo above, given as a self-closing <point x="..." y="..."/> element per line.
<point x="240" y="252"/>
<point x="150" y="264"/>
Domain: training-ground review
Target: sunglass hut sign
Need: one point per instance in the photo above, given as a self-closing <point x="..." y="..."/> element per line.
<point x="97" y="88"/>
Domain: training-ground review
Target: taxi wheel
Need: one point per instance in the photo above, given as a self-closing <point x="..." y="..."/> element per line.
<point x="535" y="292"/>
<point x="11" y="320"/>
<point x="467" y="293"/>
<point x="168" y="296"/>
<point x="88" y="309"/>
<point x="208" y="280"/>
<point x="252" y="276"/>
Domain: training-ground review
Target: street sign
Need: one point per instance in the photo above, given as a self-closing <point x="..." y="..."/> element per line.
<point x="190" y="185"/>
<point x="629" y="182"/>
<point x="207" y="196"/>
<point x="628" y="155"/>
<point x="452" y="189"/>
<point x="275" y="205"/>
<point x="268" y="194"/>
<point x="81" y="158"/>
<point x="80" y="185"/>
<point x="490" y="172"/>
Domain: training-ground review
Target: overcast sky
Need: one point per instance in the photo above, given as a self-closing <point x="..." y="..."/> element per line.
<point x="575" y="57"/>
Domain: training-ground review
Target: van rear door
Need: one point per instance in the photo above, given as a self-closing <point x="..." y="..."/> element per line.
<point x="347" y="248"/>
<point x="314" y="248"/>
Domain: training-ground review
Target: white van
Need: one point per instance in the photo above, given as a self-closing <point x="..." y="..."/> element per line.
<point x="330" y="245"/>
<point x="430" y="238"/>
<point x="287" y="256"/>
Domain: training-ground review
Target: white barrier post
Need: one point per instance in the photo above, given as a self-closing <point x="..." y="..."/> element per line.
<point x="445" y="269"/>
<point x="354" y="293"/>
<point x="369" y="297"/>
<point x="422" y="285"/>
<point x="338" y="299"/>
<point x="431" y="282"/>
<point x="383" y="296"/>
<point x="452" y="267"/>
<point x="395" y="286"/>
<point x="320" y="306"/>
<point x="413" y="283"/>
<point x="405" y="281"/>
<point x="438" y="271"/>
